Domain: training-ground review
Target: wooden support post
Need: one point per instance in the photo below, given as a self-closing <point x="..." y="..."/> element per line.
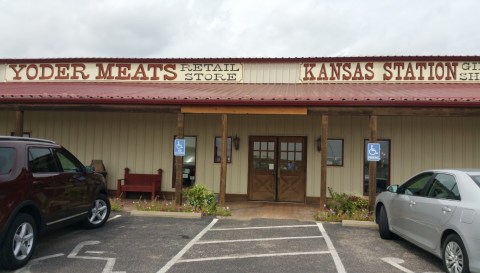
<point x="19" y="123"/>
<point x="323" y="168"/>
<point x="179" y="161"/>
<point x="223" y="170"/>
<point x="372" y="167"/>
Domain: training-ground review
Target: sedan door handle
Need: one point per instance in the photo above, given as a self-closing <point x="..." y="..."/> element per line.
<point x="446" y="209"/>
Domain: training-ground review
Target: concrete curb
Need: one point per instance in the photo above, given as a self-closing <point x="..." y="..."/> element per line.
<point x="353" y="223"/>
<point x="188" y="215"/>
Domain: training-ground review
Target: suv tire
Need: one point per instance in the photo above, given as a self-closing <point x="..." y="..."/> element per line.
<point x="99" y="212"/>
<point x="19" y="243"/>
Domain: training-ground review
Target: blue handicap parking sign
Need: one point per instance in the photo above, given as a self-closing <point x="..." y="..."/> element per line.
<point x="179" y="147"/>
<point x="373" y="151"/>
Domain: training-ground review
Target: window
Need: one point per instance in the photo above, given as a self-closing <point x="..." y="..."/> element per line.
<point x="444" y="186"/>
<point x="68" y="163"/>
<point x="40" y="160"/>
<point x="218" y="150"/>
<point x="189" y="162"/>
<point x="416" y="185"/>
<point x="335" y="152"/>
<point x="7" y="157"/>
<point x="383" y="167"/>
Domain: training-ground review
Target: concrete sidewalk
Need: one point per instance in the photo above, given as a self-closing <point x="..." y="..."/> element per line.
<point x="250" y="210"/>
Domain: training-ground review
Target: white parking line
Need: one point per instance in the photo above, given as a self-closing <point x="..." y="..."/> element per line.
<point x="333" y="251"/>
<point x="268" y="227"/>
<point x="196" y="240"/>
<point x="256" y="240"/>
<point x="233" y="257"/>
<point x="179" y="255"/>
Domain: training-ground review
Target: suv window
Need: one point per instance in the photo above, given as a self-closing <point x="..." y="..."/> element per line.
<point x="7" y="157"/>
<point x="68" y="162"/>
<point x="40" y="160"/>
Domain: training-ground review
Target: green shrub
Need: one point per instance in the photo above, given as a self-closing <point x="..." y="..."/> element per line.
<point x="201" y="199"/>
<point x="343" y="203"/>
<point x="116" y="204"/>
<point x="344" y="207"/>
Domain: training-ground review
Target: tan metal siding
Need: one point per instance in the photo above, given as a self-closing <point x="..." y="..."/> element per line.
<point x="143" y="142"/>
<point x="7" y="122"/>
<point x="271" y="73"/>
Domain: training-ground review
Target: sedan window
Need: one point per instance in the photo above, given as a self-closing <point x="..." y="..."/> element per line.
<point x="476" y="178"/>
<point x="416" y="186"/>
<point x="444" y="186"/>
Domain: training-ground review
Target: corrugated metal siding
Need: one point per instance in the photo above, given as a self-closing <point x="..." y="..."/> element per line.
<point x="140" y="141"/>
<point x="143" y="142"/>
<point x="271" y="73"/>
<point x="7" y="122"/>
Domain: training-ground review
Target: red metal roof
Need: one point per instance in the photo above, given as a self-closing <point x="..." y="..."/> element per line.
<point x="429" y="95"/>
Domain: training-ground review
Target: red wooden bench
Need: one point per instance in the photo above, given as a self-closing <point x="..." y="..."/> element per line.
<point x="136" y="182"/>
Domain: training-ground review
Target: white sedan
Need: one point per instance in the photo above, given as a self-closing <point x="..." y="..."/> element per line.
<point x="439" y="211"/>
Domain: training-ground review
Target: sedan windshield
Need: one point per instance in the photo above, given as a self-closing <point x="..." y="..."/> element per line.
<point x="476" y="178"/>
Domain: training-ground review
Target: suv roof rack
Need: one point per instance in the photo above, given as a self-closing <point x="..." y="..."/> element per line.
<point x="26" y="139"/>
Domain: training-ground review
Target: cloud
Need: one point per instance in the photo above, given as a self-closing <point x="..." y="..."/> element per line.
<point x="230" y="28"/>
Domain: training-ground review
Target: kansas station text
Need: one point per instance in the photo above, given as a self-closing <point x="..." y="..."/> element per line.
<point x="390" y="72"/>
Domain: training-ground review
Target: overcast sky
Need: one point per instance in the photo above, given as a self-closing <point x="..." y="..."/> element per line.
<point x="240" y="28"/>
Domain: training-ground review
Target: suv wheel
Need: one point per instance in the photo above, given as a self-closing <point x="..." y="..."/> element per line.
<point x="98" y="213"/>
<point x="17" y="249"/>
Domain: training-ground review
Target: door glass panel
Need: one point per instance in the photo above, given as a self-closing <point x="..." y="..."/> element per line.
<point x="383" y="167"/>
<point x="256" y="154"/>
<point x="283" y="146"/>
<point x="263" y="155"/>
<point x="271" y="146"/>
<point x="283" y="156"/>
<point x="291" y="146"/>
<point x="291" y="156"/>
<point x="263" y="145"/>
<point x="298" y="146"/>
<point x="271" y="155"/>
<point x="298" y="156"/>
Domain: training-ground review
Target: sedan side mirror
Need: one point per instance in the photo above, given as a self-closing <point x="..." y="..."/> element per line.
<point x="392" y="188"/>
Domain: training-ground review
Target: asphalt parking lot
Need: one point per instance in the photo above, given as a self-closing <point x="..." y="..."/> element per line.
<point x="153" y="244"/>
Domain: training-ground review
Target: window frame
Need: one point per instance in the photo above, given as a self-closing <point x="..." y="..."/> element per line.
<point x="174" y="163"/>
<point x="342" y="152"/>
<point x="219" y="149"/>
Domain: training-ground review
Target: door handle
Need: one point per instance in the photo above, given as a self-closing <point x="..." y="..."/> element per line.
<point x="446" y="209"/>
<point x="412" y="203"/>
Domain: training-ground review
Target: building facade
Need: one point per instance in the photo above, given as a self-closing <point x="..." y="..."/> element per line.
<point x="292" y="127"/>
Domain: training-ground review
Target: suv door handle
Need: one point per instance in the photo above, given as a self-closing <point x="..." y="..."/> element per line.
<point x="446" y="209"/>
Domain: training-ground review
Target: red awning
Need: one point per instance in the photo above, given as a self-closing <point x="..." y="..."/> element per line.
<point x="415" y="94"/>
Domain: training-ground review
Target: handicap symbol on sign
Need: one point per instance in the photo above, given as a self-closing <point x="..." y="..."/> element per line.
<point x="179" y="147"/>
<point x="373" y="152"/>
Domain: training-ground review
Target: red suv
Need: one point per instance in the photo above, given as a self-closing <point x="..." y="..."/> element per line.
<point x="42" y="186"/>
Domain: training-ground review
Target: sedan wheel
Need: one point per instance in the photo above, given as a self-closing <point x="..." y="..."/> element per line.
<point x="99" y="212"/>
<point x="19" y="243"/>
<point x="383" y="227"/>
<point x="455" y="257"/>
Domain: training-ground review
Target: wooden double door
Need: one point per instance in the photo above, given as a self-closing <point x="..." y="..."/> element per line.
<point x="277" y="169"/>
